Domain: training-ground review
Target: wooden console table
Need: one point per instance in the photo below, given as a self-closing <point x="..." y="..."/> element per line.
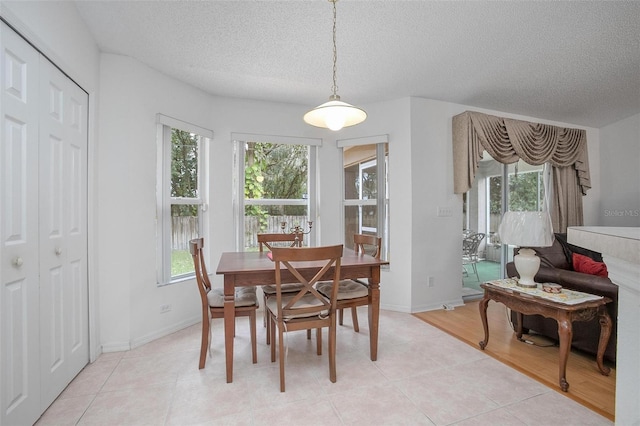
<point x="523" y="303"/>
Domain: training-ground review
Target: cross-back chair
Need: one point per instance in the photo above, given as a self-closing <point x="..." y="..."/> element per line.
<point x="268" y="241"/>
<point x="354" y="293"/>
<point x="306" y="308"/>
<point x="246" y="303"/>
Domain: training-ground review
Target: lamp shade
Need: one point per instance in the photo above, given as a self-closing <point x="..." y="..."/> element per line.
<point x="335" y="115"/>
<point x="526" y="229"/>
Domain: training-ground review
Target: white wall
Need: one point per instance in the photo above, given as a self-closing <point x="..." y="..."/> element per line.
<point x="620" y="161"/>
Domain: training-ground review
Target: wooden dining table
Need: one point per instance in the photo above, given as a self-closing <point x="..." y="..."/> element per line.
<point x="256" y="269"/>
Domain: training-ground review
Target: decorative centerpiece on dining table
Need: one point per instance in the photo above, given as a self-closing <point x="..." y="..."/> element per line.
<point x="297" y="231"/>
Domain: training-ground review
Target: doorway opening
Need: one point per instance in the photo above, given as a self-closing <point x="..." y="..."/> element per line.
<point x="483" y="207"/>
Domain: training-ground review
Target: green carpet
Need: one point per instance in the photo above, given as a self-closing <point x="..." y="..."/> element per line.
<point x="486" y="270"/>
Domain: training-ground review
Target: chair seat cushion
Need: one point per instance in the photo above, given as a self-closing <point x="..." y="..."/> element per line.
<point x="245" y="296"/>
<point x="347" y="289"/>
<point x="306" y="302"/>
<point x="286" y="288"/>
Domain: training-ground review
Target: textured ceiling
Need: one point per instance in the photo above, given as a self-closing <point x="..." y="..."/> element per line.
<point x="575" y="62"/>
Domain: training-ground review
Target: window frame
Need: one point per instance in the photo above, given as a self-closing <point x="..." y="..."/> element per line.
<point x="382" y="200"/>
<point x="239" y="139"/>
<point x="164" y="200"/>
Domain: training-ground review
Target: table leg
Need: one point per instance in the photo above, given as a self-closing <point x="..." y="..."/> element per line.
<point x="565" y="334"/>
<point x="229" y="323"/>
<point x="605" y="334"/>
<point x="483" y="315"/>
<point x="374" y="312"/>
<point x="519" y="320"/>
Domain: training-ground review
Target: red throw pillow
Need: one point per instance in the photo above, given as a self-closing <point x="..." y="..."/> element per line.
<point x="587" y="265"/>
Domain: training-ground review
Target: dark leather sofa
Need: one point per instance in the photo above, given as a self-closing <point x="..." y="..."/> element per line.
<point x="556" y="267"/>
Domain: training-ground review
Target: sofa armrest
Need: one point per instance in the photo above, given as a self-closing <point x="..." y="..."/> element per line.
<point x="579" y="281"/>
<point x="573" y="280"/>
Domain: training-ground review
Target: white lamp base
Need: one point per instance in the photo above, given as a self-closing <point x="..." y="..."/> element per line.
<point x="527" y="265"/>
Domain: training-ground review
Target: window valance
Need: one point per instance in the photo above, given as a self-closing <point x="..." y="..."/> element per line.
<point x="507" y="140"/>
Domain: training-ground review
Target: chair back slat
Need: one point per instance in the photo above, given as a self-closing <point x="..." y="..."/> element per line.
<point x="200" y="268"/>
<point x="368" y="244"/>
<point x="270" y="240"/>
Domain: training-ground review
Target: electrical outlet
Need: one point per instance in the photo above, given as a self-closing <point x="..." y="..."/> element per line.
<point x="430" y="281"/>
<point x="165" y="308"/>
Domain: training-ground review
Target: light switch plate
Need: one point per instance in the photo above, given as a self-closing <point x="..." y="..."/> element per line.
<point x="444" y="212"/>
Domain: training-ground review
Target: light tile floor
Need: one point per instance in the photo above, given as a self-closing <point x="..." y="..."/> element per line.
<point x="422" y="376"/>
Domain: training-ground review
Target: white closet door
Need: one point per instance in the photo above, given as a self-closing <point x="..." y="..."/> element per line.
<point x="64" y="346"/>
<point x="43" y="231"/>
<point x="19" y="252"/>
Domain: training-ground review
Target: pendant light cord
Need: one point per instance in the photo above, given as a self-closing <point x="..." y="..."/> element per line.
<point x="335" y="52"/>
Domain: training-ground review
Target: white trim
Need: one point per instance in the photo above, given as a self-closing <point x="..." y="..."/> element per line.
<point x="164" y="200"/>
<point x="276" y="202"/>
<point x="366" y="140"/>
<point x="183" y="125"/>
<point x="275" y="139"/>
<point x="239" y="201"/>
<point x="357" y="202"/>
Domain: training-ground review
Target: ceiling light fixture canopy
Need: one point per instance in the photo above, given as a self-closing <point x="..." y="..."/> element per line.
<point x="335" y="114"/>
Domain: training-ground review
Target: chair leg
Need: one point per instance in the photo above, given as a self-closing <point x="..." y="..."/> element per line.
<point x="204" y="344"/>
<point x="252" y="326"/>
<point x="341" y="316"/>
<point x="318" y="341"/>
<point x="272" y="331"/>
<point x="332" y="351"/>
<point x="354" y="319"/>
<point x="266" y="319"/>
<point x="475" y="269"/>
<point x="308" y="334"/>
<point x="268" y="330"/>
<point x="281" y="354"/>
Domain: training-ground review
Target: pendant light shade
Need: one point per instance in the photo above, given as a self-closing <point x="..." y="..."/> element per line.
<point x="335" y="114"/>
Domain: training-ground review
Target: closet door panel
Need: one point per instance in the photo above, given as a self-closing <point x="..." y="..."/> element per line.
<point x="19" y="253"/>
<point x="63" y="231"/>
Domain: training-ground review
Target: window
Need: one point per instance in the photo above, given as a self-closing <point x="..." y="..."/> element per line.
<point x="182" y="194"/>
<point x="525" y="192"/>
<point x="366" y="196"/>
<point x="275" y="185"/>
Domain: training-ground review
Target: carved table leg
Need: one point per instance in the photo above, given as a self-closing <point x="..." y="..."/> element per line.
<point x="565" y="333"/>
<point x="605" y="334"/>
<point x="519" y="320"/>
<point x="483" y="315"/>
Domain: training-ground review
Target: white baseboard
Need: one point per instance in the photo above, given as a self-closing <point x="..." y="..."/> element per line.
<point x="125" y="346"/>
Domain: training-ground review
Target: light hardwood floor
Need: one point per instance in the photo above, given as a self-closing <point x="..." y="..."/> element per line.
<point x="540" y="361"/>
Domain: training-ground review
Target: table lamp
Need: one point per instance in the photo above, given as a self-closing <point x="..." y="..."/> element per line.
<point x="526" y="229"/>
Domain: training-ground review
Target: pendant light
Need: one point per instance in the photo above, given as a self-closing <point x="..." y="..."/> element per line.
<point x="335" y="114"/>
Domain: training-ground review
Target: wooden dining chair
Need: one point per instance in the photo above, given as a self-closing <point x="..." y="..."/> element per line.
<point x="307" y="308"/>
<point x="354" y="293"/>
<point x="268" y="241"/>
<point x="246" y="303"/>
